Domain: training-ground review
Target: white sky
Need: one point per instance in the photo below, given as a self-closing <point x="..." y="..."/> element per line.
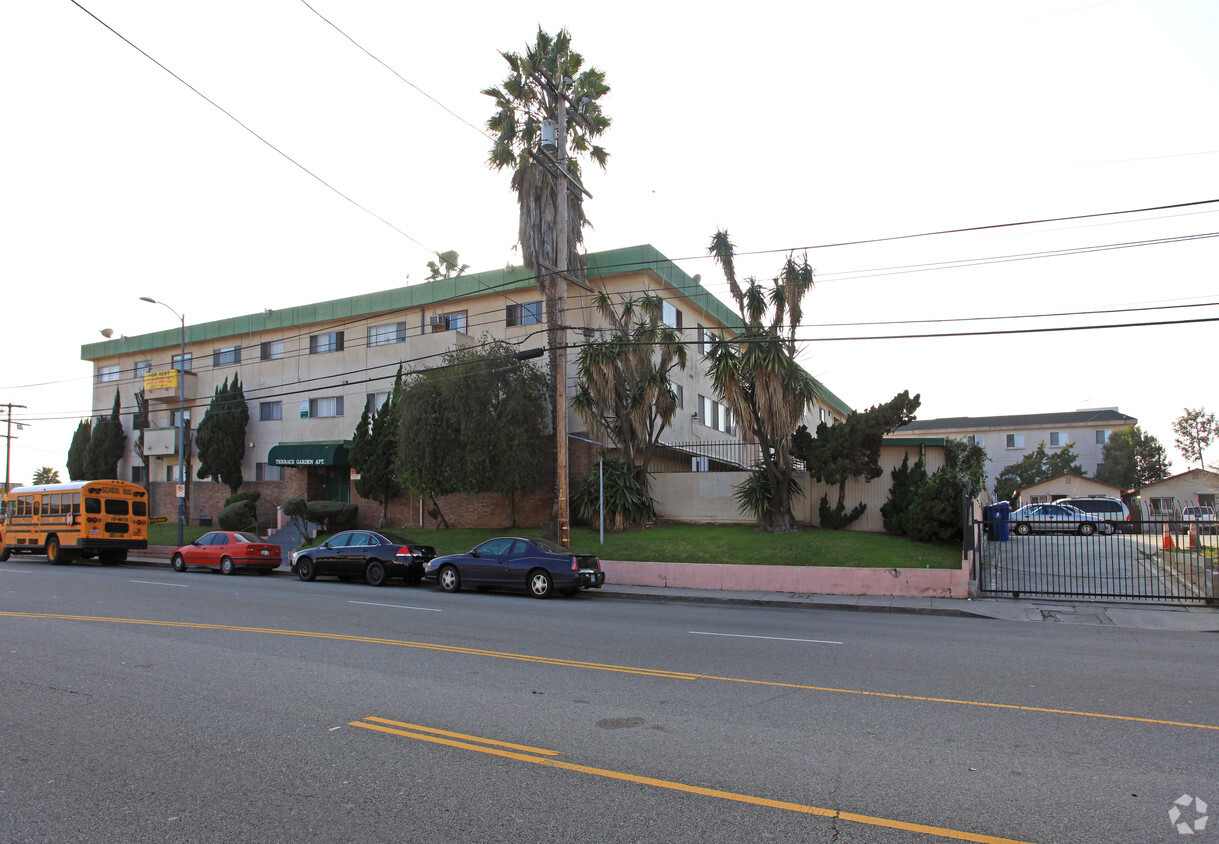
<point x="788" y="124"/>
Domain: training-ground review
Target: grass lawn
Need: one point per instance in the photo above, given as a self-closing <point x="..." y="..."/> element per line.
<point x="724" y="544"/>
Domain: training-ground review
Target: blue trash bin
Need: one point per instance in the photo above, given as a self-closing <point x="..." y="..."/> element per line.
<point x="997" y="516"/>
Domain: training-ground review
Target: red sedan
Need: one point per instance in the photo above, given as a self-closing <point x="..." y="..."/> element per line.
<point x="228" y="550"/>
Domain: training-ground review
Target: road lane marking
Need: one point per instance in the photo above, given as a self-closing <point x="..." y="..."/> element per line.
<point x="523" y="747"/>
<point x="870" y="820"/>
<point x="158" y="583"/>
<point x="771" y="638"/>
<point x="572" y="663"/>
<point x="396" y="606"/>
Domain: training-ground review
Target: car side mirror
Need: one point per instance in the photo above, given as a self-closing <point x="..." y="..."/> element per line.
<point x="475" y="554"/>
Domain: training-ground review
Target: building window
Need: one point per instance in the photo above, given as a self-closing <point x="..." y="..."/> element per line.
<point x="526" y="313"/>
<point x="1102" y="437"/>
<point x="383" y="335"/>
<point x="142" y="368"/>
<point x="1039" y="499"/>
<point x="228" y="356"/>
<point x="139" y="475"/>
<point x="376" y="401"/>
<point x="173" y="418"/>
<point x="1015" y="440"/>
<point x="679" y="395"/>
<point x="270" y="411"/>
<point x="271" y="350"/>
<point x="1160" y="506"/>
<point x="671" y="316"/>
<point x="331" y="341"/>
<point x="456" y="322"/>
<point x="327" y="407"/>
<point x="976" y="439"/>
<point x="176" y="362"/>
<point x="716" y="415"/>
<point x="268" y="472"/>
<point x="171" y="472"/>
<point x="1058" y="438"/>
<point x="108" y="373"/>
<point x="705" y="338"/>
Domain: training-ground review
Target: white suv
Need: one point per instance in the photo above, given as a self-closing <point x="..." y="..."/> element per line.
<point x="1203" y="516"/>
<point x="1115" y="513"/>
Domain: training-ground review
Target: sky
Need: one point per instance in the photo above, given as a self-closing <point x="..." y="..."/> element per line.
<point x="792" y="126"/>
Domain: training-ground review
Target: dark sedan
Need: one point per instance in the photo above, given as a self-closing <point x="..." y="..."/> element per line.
<point x="538" y="566"/>
<point x="375" y="555"/>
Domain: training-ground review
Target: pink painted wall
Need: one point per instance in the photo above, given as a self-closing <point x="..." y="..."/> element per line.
<point x="820" y="580"/>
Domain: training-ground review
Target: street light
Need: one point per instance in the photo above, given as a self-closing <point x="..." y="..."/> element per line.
<point x="181" y="416"/>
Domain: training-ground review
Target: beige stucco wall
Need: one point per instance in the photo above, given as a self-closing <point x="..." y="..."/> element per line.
<point x="707" y="496"/>
<point x="1196" y="486"/>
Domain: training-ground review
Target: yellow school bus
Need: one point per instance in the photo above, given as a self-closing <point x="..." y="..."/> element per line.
<point x="74" y="521"/>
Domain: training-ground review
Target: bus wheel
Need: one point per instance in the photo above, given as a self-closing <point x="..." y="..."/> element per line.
<point x="5" y="553"/>
<point x="56" y="554"/>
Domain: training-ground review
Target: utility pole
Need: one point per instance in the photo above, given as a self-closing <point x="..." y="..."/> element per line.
<point x="557" y="317"/>
<point x="8" y="439"/>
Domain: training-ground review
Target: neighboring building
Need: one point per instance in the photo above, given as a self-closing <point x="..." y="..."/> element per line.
<point x="1164" y="499"/>
<point x="1067" y="486"/>
<point x="1007" y="439"/>
<point x="308" y="372"/>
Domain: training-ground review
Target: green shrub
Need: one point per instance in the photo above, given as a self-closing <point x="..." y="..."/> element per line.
<point x="333" y="516"/>
<point x="935" y="516"/>
<point x="241" y="515"/>
<point x="627" y="502"/>
<point x="836" y="518"/>
<point x="242" y="496"/>
<point x="754" y="496"/>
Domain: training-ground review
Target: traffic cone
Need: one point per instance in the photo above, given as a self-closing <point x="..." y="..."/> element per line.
<point x="1168" y="544"/>
<point x="1193" y="535"/>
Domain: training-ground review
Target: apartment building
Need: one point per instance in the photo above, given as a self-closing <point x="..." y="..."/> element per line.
<point x="308" y="371"/>
<point x="1007" y="439"/>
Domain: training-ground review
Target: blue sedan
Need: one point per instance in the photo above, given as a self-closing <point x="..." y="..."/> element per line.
<point x="538" y="566"/>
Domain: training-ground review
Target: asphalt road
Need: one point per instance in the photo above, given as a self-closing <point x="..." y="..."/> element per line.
<point x="145" y="705"/>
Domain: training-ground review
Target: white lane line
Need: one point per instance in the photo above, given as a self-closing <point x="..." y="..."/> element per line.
<point x="155" y="583"/>
<point x="773" y="638"/>
<point x="15" y="571"/>
<point x="395" y="606"/>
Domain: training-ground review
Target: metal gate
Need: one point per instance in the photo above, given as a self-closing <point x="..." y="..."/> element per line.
<point x="1161" y="561"/>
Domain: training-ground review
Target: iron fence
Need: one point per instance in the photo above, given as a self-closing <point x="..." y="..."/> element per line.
<point x="706" y="456"/>
<point x="1163" y="560"/>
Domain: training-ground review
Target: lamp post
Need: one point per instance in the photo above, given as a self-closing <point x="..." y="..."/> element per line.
<point x="181" y="416"/>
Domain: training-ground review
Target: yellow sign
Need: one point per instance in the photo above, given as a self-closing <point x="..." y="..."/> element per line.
<point x="162" y="379"/>
<point x="157" y="520"/>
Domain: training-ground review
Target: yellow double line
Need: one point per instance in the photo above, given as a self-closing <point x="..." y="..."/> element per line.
<point x="597" y="666"/>
<point x="538" y="756"/>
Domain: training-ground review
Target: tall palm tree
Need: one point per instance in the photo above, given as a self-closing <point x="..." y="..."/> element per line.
<point x="756" y="373"/>
<point x="523" y="102"/>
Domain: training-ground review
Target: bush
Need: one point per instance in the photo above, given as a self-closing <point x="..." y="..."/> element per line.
<point x="935" y="516"/>
<point x="837" y="518"/>
<point x="241" y="515"/>
<point x="627" y="502"/>
<point x="242" y="496"/>
<point x="333" y="516"/>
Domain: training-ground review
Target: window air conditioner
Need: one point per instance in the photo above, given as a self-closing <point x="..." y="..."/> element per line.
<point x="436" y="319"/>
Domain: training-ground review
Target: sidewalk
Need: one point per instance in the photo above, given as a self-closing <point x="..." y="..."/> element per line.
<point x="1094" y="613"/>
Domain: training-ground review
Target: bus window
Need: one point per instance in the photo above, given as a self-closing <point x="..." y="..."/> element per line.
<point x="54" y="510"/>
<point x="139" y="508"/>
<point x="93" y="505"/>
<point x="76" y="504"/>
<point x="117" y="507"/>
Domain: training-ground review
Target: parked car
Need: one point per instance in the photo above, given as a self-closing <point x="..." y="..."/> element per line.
<point x="1056" y="518"/>
<point x="375" y="555"/>
<point x="1202" y="515"/>
<point x="537" y="565"/>
<point x="228" y="551"/>
<point x="1114" y="512"/>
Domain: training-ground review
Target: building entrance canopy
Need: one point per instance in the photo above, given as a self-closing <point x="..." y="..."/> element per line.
<point x="310" y="454"/>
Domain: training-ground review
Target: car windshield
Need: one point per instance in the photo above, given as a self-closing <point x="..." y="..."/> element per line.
<point x="246" y="537"/>
<point x="399" y="539"/>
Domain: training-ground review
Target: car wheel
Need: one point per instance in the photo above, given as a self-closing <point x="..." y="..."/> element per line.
<point x="226" y="566"/>
<point x="540" y="583"/>
<point x="55" y="554"/>
<point x="304" y="569"/>
<point x="178" y="563"/>
<point x="1023" y="529"/>
<point x="1086" y="528"/>
<point x="375" y="573"/>
<point x="450" y="580"/>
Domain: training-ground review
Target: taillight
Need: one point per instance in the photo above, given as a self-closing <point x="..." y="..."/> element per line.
<point x="575" y="566"/>
<point x="404" y="551"/>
